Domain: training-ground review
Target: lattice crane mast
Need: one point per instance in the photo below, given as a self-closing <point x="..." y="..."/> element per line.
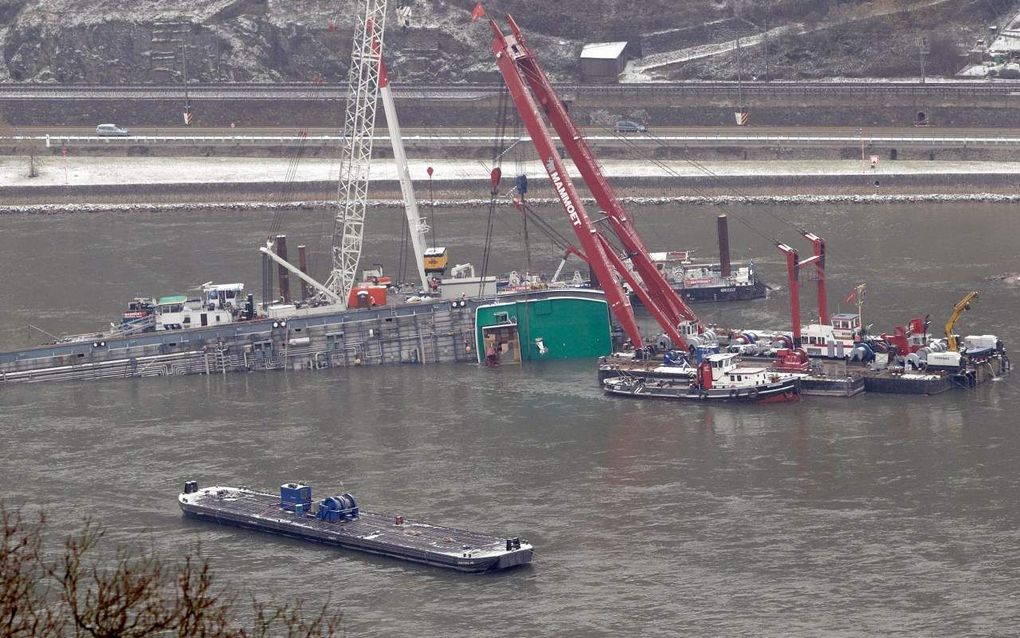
<point x="521" y="71"/>
<point x="355" y="160"/>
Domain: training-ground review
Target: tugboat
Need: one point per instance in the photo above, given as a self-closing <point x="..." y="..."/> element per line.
<point x="719" y="378"/>
<point x="339" y="520"/>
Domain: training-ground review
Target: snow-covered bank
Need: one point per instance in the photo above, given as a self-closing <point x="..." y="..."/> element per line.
<point x="165" y="184"/>
<point x="149" y="171"/>
<point x="63" y="209"/>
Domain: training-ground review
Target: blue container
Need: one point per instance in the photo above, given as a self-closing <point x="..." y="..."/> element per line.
<point x="292" y="494"/>
<point x="700" y="352"/>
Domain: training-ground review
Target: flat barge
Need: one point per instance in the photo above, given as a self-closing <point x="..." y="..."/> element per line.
<point x="339" y="521"/>
<point x="701" y="281"/>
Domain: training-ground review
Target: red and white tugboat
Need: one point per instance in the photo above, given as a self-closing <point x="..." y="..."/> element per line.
<point x="720" y="377"/>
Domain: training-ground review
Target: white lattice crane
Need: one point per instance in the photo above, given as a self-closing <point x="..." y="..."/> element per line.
<point x="367" y="83"/>
<point x="359" y="127"/>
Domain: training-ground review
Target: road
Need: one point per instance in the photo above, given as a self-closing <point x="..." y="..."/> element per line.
<point x="471" y="137"/>
<point x="655" y="131"/>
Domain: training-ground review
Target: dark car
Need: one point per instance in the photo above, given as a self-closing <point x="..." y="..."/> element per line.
<point x="628" y="126"/>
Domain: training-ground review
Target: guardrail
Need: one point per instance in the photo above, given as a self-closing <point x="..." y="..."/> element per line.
<point x="52" y="141"/>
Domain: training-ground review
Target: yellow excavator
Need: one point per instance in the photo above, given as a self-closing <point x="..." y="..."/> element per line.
<point x="958" y="309"/>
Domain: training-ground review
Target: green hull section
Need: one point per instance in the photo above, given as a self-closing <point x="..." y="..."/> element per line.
<point x="564" y="325"/>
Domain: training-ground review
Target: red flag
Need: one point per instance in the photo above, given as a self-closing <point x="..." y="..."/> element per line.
<point x="478" y="12"/>
<point x="858" y="292"/>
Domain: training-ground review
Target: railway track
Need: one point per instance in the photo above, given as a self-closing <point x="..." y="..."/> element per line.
<point x="305" y="91"/>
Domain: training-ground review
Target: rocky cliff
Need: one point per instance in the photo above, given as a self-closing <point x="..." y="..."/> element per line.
<point x="158" y="41"/>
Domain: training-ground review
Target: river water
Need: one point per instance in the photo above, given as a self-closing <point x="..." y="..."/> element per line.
<point x="878" y="514"/>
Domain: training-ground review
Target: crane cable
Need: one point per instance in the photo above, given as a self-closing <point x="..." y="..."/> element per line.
<point x="519" y="178"/>
<point x="670" y="171"/>
<point x="640" y="153"/>
<point x="288" y="186"/>
<point x="495" y="174"/>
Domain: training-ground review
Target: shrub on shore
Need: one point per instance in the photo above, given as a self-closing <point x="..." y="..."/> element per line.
<point x="84" y="590"/>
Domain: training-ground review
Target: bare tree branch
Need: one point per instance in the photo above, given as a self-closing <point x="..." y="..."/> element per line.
<point x="137" y="594"/>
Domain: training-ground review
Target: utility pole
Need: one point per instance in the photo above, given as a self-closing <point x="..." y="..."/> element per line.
<point x="741" y="114"/>
<point x="925" y="49"/>
<point x="860" y="134"/>
<point x="765" y="34"/>
<point x="740" y="79"/>
<point x="184" y="74"/>
<point x="170" y="41"/>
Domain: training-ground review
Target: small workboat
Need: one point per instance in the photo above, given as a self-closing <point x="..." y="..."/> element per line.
<point x="719" y="378"/>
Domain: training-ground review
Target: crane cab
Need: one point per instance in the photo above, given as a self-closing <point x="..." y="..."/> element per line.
<point x="834" y="340"/>
<point x="223" y="296"/>
<point x="436" y="260"/>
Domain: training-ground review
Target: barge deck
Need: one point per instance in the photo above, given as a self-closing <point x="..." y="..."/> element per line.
<point x="834" y="378"/>
<point x="344" y="525"/>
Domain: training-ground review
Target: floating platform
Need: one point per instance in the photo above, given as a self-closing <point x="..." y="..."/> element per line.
<point x="340" y="522"/>
<point x="833" y="378"/>
<point x="826" y="386"/>
<point x="889" y="382"/>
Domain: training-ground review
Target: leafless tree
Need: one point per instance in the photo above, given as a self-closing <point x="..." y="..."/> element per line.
<point x="136" y="594"/>
<point x="944" y="57"/>
<point x="23" y="591"/>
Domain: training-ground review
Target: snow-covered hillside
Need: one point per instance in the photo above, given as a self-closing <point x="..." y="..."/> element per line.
<point x="144" y="41"/>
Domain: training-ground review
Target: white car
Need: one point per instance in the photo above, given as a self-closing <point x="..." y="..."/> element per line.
<point x="111" y="130"/>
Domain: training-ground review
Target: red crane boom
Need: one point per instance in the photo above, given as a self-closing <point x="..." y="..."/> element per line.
<point x="793" y="266"/>
<point x="520" y="71"/>
<point x="818" y="245"/>
<point x="507" y="53"/>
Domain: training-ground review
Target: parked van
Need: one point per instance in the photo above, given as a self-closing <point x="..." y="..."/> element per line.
<point x="111" y="130"/>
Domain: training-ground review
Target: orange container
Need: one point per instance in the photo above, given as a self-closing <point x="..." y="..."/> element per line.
<point x="366" y="296"/>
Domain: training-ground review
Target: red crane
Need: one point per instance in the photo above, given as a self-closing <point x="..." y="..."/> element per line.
<point x="793" y="266"/>
<point x="818" y="246"/>
<point x="521" y="71"/>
